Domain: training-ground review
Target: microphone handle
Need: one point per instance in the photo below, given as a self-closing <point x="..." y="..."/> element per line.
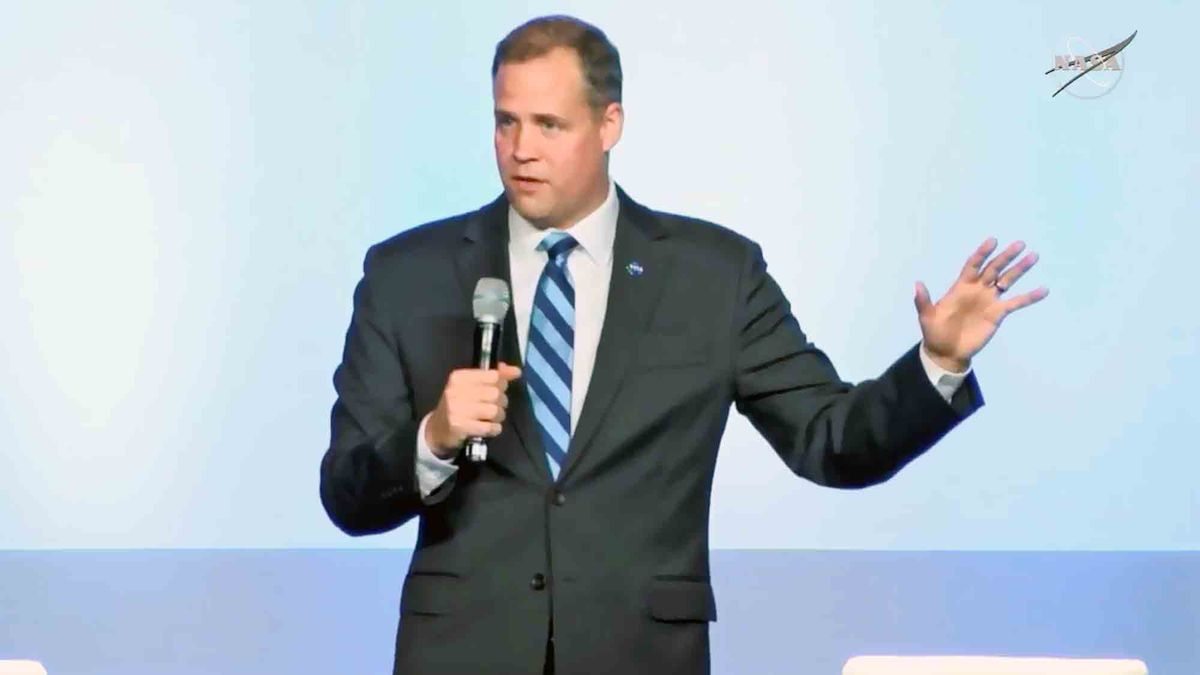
<point x="487" y="345"/>
<point x="487" y="351"/>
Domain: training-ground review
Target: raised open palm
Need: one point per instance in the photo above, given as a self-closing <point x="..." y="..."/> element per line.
<point x="958" y="325"/>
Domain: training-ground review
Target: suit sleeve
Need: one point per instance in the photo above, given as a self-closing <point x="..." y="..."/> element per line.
<point x="368" y="474"/>
<point x="824" y="429"/>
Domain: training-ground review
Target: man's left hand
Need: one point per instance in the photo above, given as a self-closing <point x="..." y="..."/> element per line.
<point x="958" y="325"/>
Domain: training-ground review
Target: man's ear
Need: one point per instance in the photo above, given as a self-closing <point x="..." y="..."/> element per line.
<point x="612" y="123"/>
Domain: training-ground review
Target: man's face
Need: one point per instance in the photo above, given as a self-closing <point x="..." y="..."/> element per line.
<point x="550" y="144"/>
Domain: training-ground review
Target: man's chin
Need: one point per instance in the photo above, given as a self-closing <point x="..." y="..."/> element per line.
<point x="529" y="209"/>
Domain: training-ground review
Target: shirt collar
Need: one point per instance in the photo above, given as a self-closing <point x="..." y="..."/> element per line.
<point x="595" y="232"/>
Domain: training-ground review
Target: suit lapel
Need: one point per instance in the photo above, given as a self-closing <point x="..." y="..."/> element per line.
<point x="641" y="264"/>
<point x="484" y="253"/>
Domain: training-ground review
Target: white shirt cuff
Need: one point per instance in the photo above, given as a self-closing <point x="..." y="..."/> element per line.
<point x="432" y="470"/>
<point x="943" y="380"/>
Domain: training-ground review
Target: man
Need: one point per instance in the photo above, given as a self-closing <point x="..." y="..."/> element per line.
<point x="580" y="545"/>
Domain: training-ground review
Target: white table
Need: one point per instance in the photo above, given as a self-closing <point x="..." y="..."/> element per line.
<point x="21" y="668"/>
<point x="989" y="665"/>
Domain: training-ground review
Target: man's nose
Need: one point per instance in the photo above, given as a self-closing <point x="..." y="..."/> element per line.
<point x="523" y="146"/>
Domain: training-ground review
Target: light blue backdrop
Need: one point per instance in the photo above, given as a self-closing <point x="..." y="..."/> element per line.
<point x="186" y="193"/>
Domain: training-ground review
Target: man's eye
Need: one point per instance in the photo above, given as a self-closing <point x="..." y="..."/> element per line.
<point x="549" y="124"/>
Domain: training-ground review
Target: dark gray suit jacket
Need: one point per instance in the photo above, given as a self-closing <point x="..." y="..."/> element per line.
<point x="615" y="552"/>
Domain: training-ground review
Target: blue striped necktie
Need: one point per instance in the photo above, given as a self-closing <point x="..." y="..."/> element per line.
<point x="551" y="349"/>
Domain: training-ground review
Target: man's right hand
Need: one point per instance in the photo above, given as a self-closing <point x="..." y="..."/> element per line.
<point x="474" y="403"/>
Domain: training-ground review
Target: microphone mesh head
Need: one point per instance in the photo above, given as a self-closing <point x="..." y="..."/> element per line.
<point x="491" y="300"/>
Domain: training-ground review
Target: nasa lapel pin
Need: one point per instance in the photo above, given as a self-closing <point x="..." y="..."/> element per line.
<point x="634" y="269"/>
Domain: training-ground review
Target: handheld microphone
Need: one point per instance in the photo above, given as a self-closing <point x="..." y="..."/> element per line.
<point x="490" y="305"/>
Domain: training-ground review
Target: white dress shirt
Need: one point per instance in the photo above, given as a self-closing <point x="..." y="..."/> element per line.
<point x="590" y="267"/>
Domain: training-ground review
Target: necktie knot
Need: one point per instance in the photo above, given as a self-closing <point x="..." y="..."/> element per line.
<point x="557" y="245"/>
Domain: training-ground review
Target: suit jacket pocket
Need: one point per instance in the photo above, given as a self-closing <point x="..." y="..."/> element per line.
<point x="657" y="349"/>
<point x="430" y="593"/>
<point x="682" y="600"/>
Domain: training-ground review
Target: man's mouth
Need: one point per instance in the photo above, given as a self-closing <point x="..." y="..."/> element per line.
<point x="527" y="183"/>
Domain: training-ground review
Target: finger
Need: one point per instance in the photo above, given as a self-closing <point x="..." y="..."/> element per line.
<point x="1026" y="299"/>
<point x="474" y="377"/>
<point x="470" y="384"/>
<point x="465" y="411"/>
<point x="922" y="300"/>
<point x="481" y="428"/>
<point x="1011" y="276"/>
<point x="970" y="270"/>
<point x="459" y="377"/>
<point x="487" y="412"/>
<point x="489" y="393"/>
<point x="997" y="265"/>
<point x="509" y="372"/>
<point x="485" y="429"/>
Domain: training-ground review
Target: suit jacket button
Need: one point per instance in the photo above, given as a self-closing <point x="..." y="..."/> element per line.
<point x="559" y="499"/>
<point x="538" y="582"/>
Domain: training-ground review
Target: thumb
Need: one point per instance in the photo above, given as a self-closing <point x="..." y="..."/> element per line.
<point x="921" y="299"/>
<point x="509" y="372"/>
